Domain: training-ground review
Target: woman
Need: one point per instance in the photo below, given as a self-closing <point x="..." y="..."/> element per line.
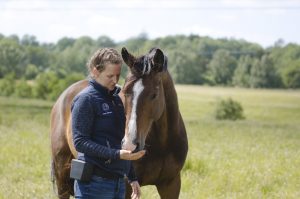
<point x="98" y="125"/>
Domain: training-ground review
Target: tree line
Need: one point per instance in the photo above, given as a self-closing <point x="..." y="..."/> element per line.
<point x="29" y="68"/>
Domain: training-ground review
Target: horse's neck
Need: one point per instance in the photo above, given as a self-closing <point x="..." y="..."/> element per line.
<point x="171" y="101"/>
<point x="167" y="125"/>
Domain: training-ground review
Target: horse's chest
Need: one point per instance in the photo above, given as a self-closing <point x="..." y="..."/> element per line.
<point x="154" y="169"/>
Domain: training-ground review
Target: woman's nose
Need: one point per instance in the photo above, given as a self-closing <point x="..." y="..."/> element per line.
<point x="115" y="80"/>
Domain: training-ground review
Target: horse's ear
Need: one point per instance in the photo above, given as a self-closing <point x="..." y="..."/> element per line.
<point x="160" y="61"/>
<point x="127" y="57"/>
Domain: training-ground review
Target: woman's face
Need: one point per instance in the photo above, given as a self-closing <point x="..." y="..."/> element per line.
<point x="109" y="77"/>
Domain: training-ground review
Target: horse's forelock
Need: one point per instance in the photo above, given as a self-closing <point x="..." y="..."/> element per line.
<point x="142" y="66"/>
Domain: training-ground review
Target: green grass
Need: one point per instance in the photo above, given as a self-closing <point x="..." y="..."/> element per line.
<point x="258" y="157"/>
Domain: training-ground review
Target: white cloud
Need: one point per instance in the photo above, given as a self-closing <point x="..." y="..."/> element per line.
<point x="276" y="12"/>
<point x="228" y="18"/>
<point x="99" y="20"/>
<point x="157" y="4"/>
<point x="17" y="5"/>
<point x="128" y="3"/>
<point x="241" y="3"/>
<point x="120" y="19"/>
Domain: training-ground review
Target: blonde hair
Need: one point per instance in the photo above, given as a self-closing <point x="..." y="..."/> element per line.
<point x="102" y="57"/>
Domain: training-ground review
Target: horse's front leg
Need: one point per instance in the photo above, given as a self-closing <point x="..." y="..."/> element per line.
<point x="170" y="189"/>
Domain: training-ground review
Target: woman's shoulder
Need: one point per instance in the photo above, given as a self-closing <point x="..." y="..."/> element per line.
<point x="90" y="94"/>
<point x="84" y="95"/>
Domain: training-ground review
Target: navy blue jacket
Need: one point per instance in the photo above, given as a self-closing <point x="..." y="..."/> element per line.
<point x="98" y="126"/>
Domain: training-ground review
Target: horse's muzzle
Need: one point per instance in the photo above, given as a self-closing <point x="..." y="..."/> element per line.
<point x="128" y="145"/>
<point x="137" y="148"/>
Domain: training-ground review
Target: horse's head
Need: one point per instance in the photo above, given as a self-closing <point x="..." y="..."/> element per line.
<point x="143" y="95"/>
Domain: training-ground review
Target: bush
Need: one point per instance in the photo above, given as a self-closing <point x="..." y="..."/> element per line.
<point x="44" y="85"/>
<point x="23" y="89"/>
<point x="62" y="84"/>
<point x="7" y="85"/>
<point x="229" y="110"/>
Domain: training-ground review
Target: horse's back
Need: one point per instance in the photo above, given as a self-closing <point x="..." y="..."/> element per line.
<point x="61" y="118"/>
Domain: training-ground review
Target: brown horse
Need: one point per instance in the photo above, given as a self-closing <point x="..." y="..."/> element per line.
<point x="153" y="122"/>
<point x="62" y="148"/>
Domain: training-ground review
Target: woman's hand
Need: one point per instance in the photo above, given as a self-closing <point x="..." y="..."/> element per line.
<point x="136" y="190"/>
<point x="128" y="155"/>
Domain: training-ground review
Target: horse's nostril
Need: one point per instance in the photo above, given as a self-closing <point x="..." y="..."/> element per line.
<point x="135" y="142"/>
<point x="136" y="148"/>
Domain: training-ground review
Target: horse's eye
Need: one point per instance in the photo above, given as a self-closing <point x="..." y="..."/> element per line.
<point x="153" y="96"/>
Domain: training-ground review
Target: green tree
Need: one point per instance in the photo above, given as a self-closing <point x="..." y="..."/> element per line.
<point x="11" y="58"/>
<point x="189" y="68"/>
<point x="3" y="70"/>
<point x="37" y="56"/>
<point x="207" y="47"/>
<point x="7" y="85"/>
<point x="23" y="89"/>
<point x="29" y="40"/>
<point x="14" y="38"/>
<point x="105" y="41"/>
<point x="291" y="75"/>
<point x="62" y="84"/>
<point x="74" y="59"/>
<point x="137" y="43"/>
<point x="64" y="43"/>
<point x="264" y="74"/>
<point x="31" y="71"/>
<point x="242" y="72"/>
<point x="45" y="84"/>
<point x="222" y="67"/>
<point x="285" y="58"/>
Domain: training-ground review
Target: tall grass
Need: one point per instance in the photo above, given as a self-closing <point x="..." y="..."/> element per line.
<point x="258" y="157"/>
<point x="24" y="149"/>
<point x="254" y="158"/>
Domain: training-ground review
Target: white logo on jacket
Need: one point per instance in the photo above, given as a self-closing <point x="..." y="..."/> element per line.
<point x="105" y="107"/>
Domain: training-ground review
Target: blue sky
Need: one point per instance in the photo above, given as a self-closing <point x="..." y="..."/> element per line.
<point x="263" y="22"/>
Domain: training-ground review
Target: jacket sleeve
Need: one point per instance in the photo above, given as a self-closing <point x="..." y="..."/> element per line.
<point x="82" y="123"/>
<point x="131" y="175"/>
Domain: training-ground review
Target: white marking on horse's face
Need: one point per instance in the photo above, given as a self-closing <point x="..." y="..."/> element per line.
<point x="132" y="124"/>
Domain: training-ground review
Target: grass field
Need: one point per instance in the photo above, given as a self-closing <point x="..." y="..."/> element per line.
<point x="258" y="157"/>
